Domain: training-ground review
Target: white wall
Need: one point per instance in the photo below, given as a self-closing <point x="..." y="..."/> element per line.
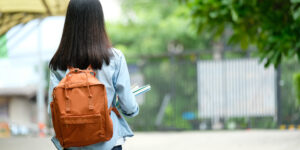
<point x="20" y="111"/>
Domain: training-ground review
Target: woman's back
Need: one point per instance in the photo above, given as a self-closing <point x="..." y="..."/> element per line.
<point x="116" y="79"/>
<point x="85" y="43"/>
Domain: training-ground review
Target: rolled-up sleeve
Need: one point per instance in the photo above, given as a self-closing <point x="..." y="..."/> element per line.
<point x="128" y="104"/>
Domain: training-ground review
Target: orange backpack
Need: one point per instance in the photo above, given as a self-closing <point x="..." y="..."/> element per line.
<point x="79" y="110"/>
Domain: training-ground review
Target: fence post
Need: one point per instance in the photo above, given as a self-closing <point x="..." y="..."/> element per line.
<point x="278" y="96"/>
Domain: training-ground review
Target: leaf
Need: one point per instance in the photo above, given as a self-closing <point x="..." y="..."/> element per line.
<point x="267" y="64"/>
<point x="234" y="15"/>
<point x="291" y="53"/>
<point x="275" y="57"/>
<point x="296" y="14"/>
<point x="295" y="1"/>
<point x="213" y="14"/>
<point x="220" y="30"/>
<point x="226" y="2"/>
<point x="244" y="42"/>
<point x="298" y="54"/>
<point x="235" y="38"/>
<point x="278" y="60"/>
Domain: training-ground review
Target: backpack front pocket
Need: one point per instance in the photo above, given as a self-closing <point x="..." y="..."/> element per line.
<point x="81" y="130"/>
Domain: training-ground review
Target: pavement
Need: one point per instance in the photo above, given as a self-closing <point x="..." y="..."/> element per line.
<point x="191" y="140"/>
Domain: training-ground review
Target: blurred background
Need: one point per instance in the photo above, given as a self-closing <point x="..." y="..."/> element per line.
<point x="225" y="74"/>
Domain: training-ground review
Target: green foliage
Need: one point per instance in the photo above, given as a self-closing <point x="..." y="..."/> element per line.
<point x="296" y="78"/>
<point x="290" y="112"/>
<point x="149" y="26"/>
<point x="272" y="26"/>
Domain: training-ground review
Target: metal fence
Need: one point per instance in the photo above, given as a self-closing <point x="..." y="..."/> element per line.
<point x="172" y="104"/>
<point x="289" y="109"/>
<point x="172" y="101"/>
<point x="236" y="88"/>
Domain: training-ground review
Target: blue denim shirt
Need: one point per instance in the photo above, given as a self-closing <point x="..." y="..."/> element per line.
<point x="116" y="79"/>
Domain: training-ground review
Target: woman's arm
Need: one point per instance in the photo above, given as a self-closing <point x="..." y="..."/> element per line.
<point x="127" y="100"/>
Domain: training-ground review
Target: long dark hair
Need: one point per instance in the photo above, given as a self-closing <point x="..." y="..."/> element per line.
<point x="84" y="40"/>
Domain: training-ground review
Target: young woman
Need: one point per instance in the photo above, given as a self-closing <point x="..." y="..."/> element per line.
<point x="84" y="42"/>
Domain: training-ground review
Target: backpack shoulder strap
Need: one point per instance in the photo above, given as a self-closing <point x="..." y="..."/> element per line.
<point x="115" y="110"/>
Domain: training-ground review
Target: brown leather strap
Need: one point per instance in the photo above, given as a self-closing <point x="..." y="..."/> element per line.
<point x="114" y="109"/>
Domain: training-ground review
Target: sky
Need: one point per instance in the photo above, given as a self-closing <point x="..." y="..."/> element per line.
<point x="112" y="9"/>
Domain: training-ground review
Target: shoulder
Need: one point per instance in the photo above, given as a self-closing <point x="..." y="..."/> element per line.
<point x="57" y="74"/>
<point x="117" y="54"/>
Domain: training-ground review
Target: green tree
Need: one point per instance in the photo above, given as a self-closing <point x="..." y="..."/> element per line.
<point x="148" y="26"/>
<point x="272" y="26"/>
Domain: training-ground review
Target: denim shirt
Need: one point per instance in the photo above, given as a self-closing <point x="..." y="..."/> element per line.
<point x="116" y="79"/>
